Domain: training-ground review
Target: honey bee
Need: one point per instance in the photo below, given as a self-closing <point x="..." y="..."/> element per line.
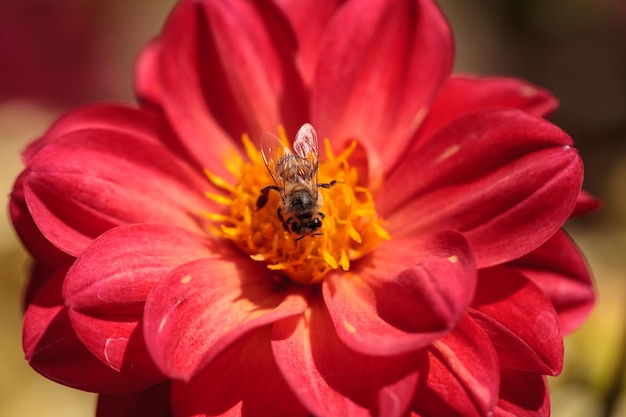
<point x="295" y="178"/>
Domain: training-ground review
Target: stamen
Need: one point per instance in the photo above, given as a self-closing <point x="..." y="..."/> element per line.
<point x="350" y="224"/>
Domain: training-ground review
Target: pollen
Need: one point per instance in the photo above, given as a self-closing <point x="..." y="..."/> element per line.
<point x="350" y="225"/>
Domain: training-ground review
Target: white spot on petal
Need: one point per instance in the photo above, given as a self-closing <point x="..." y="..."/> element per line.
<point x="544" y="328"/>
<point x="418" y="118"/>
<point x="451" y="150"/>
<point x="350" y="328"/>
<point x="162" y="324"/>
<point x="110" y="346"/>
<point x="528" y="91"/>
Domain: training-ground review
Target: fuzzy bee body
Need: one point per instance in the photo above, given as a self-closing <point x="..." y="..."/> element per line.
<point x="295" y="178"/>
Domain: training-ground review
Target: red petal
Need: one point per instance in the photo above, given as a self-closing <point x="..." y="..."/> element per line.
<point x="383" y="63"/>
<point x="39" y="275"/>
<point x="153" y="401"/>
<point x="30" y="235"/>
<point x="167" y="75"/>
<point x="53" y="349"/>
<point x="249" y="73"/>
<point x="523" y="395"/>
<point x="520" y="320"/>
<point x="407" y="293"/>
<point x="467" y="94"/>
<point x="204" y="306"/>
<point x="147" y="81"/>
<point x="109" y="117"/>
<point x="332" y="380"/>
<point x="505" y="179"/>
<point x="117" y="271"/>
<point x="309" y="19"/>
<point x="225" y="69"/>
<point x="146" y="123"/>
<point x="107" y="287"/>
<point x="463" y="375"/>
<point x="585" y="203"/>
<point x="560" y="270"/>
<point x="90" y="181"/>
<point x="115" y="117"/>
<point x="118" y="342"/>
<point x="242" y="381"/>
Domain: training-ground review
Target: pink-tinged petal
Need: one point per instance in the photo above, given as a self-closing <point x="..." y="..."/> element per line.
<point x="242" y="381"/>
<point x="204" y="306"/>
<point x="382" y="65"/>
<point x="464" y="94"/>
<point x="107" y="286"/>
<point x="520" y="321"/>
<point x="404" y="295"/>
<point x="309" y="19"/>
<point x="90" y="181"/>
<point x="505" y="179"/>
<point x="560" y="270"/>
<point x="523" y="395"/>
<point x="463" y="375"/>
<point x="118" y="270"/>
<point x="332" y="380"/>
<point x="53" y="349"/>
<point x="585" y="203"/>
<point x="30" y="235"/>
<point x="153" y="402"/>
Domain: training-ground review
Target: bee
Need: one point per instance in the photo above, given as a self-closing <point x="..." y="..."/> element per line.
<point x="295" y="178"/>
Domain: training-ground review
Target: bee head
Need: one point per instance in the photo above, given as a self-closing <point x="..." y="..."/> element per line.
<point x="307" y="227"/>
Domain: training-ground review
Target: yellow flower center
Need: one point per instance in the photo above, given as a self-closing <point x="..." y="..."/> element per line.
<point x="350" y="224"/>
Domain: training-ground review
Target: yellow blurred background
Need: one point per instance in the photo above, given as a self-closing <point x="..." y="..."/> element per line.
<point x="76" y="51"/>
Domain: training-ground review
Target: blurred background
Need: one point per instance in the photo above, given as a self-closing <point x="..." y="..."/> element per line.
<point x="57" y="54"/>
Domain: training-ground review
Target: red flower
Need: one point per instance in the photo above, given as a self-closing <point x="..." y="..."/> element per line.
<point x="440" y="283"/>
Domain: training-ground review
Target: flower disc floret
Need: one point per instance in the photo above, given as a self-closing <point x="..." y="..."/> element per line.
<point x="351" y="226"/>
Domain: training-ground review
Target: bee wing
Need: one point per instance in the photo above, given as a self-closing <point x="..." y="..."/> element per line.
<point x="274" y="152"/>
<point x="306" y="148"/>
<point x="305" y="145"/>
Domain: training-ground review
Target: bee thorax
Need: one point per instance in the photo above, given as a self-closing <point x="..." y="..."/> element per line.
<point x="301" y="201"/>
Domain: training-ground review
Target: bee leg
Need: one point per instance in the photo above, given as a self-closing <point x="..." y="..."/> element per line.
<point x="282" y="219"/>
<point x="322" y="215"/>
<point x="264" y="197"/>
<point x="303" y="236"/>
<point x="327" y="185"/>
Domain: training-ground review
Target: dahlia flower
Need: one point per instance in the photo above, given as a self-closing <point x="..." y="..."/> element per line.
<point x="439" y="281"/>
